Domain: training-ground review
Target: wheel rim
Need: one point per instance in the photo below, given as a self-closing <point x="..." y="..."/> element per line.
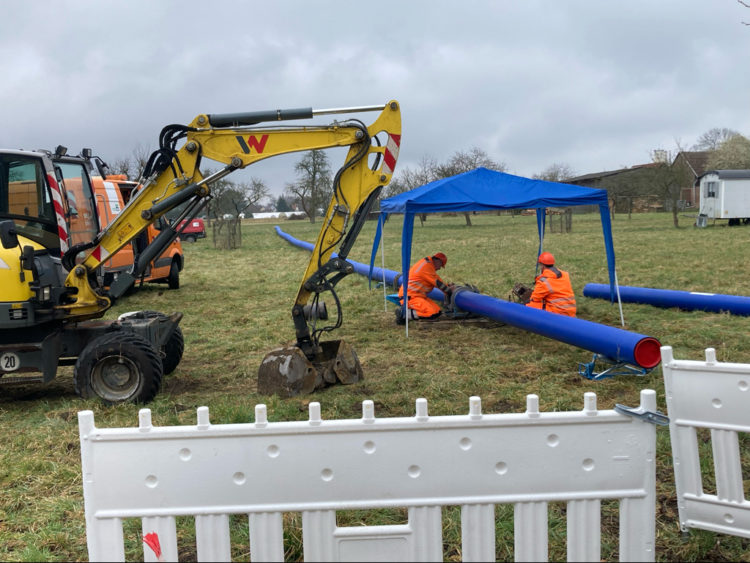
<point x="115" y="378"/>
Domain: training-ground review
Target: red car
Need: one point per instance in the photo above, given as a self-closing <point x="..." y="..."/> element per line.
<point x="193" y="230"/>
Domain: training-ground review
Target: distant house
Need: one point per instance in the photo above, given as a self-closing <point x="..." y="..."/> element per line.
<point x="627" y="187"/>
<point x="630" y="188"/>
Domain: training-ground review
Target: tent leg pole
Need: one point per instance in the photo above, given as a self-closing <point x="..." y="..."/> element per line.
<point x="406" y="312"/>
<point x="382" y="256"/>
<point x="619" y="301"/>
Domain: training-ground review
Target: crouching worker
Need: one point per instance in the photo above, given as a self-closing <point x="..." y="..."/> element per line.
<point x="552" y="289"/>
<point x="423" y="279"/>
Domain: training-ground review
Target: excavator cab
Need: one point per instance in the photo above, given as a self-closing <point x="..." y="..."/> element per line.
<point x="48" y="200"/>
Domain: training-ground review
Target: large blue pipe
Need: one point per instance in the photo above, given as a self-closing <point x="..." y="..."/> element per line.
<point x="618" y="345"/>
<point x="667" y="298"/>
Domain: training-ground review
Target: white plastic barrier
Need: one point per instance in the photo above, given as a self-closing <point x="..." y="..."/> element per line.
<point x="421" y="463"/>
<point x="715" y="396"/>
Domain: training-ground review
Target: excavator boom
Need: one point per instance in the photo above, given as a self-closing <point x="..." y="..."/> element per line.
<point x="172" y="179"/>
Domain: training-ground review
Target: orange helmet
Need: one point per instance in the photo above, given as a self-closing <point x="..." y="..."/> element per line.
<point x="442" y="257"/>
<point x="546" y="259"/>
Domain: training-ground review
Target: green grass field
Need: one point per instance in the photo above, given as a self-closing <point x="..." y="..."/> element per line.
<point x="237" y="306"/>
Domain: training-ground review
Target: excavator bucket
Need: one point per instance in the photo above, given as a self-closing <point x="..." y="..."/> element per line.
<point x="288" y="372"/>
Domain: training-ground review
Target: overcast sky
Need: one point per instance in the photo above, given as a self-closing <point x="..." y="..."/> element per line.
<point x="596" y="85"/>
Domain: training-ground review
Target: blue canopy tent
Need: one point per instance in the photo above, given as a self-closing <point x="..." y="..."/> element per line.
<point x="483" y="189"/>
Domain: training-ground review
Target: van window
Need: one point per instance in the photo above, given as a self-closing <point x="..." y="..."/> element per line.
<point x="710" y="189"/>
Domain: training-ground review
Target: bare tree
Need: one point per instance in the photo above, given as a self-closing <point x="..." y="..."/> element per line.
<point x="668" y="176"/>
<point x="746" y="6"/>
<point x="132" y="166"/>
<point x="557" y="172"/>
<point x="248" y="194"/>
<point x="465" y="161"/>
<point x="462" y="162"/>
<point x="734" y="153"/>
<point x="408" y="178"/>
<point x="713" y="138"/>
<point x="313" y="186"/>
<point x="430" y="170"/>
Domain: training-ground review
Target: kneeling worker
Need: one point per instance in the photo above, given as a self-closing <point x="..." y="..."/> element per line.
<point x="423" y="279"/>
<point x="552" y="289"/>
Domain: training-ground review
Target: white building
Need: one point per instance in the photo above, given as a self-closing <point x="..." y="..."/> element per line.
<point x="724" y="194"/>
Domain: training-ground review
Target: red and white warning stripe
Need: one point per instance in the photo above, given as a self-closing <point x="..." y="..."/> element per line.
<point x="57" y="203"/>
<point x="100" y="254"/>
<point x="391" y="153"/>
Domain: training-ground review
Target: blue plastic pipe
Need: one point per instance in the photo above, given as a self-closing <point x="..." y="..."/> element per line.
<point x="667" y="298"/>
<point x="618" y="345"/>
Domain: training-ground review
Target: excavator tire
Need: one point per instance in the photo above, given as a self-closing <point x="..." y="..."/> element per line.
<point x="118" y="367"/>
<point x="171" y="356"/>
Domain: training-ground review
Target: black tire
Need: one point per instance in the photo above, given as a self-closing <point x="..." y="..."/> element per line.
<point x="118" y="367"/>
<point x="173" y="279"/>
<point x="189" y="238"/>
<point x="173" y="349"/>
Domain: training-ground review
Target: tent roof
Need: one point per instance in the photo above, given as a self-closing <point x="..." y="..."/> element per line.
<point x="482" y="189"/>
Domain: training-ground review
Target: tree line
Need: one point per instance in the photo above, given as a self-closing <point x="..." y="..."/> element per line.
<point x="312" y="189"/>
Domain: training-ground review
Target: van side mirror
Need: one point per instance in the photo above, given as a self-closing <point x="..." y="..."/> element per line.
<point x="8" y="234"/>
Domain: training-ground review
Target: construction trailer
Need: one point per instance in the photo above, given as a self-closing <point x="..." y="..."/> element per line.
<point x="724" y="194"/>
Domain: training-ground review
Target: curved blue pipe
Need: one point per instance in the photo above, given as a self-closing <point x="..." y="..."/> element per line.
<point x="378" y="274"/>
<point x="667" y="298"/>
<point x="618" y="345"/>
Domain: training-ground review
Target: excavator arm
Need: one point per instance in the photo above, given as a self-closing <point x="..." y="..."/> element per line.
<point x="173" y="179"/>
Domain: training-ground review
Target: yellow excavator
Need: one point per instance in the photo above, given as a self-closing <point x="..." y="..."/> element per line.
<point x="51" y="293"/>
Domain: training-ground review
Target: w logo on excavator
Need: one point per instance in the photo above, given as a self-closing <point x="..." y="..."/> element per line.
<point x="252" y="143"/>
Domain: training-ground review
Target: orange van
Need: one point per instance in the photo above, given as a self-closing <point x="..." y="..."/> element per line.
<point x="112" y="195"/>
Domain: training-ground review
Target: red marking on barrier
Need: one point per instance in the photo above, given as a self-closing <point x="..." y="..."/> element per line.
<point x="152" y="540"/>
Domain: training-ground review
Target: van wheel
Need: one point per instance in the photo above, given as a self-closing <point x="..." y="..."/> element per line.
<point x="190" y="238"/>
<point x="118" y="367"/>
<point x="173" y="279"/>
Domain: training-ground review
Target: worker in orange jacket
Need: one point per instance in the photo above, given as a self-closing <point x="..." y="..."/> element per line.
<point x="552" y="289"/>
<point x="423" y="278"/>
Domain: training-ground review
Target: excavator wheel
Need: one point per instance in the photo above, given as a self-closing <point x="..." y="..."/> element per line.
<point x="118" y="367"/>
<point x="287" y="372"/>
<point x="171" y="356"/>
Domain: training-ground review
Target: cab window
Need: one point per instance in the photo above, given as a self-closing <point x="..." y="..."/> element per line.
<point x="81" y="212"/>
<point x="26" y="199"/>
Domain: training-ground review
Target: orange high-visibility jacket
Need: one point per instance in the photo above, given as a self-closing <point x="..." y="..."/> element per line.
<point x="422" y="279"/>
<point x="553" y="292"/>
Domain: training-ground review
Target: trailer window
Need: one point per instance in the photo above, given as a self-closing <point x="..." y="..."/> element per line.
<point x="710" y="189"/>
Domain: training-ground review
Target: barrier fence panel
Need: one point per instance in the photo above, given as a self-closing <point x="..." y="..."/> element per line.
<point x="712" y="397"/>
<point x="421" y="464"/>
